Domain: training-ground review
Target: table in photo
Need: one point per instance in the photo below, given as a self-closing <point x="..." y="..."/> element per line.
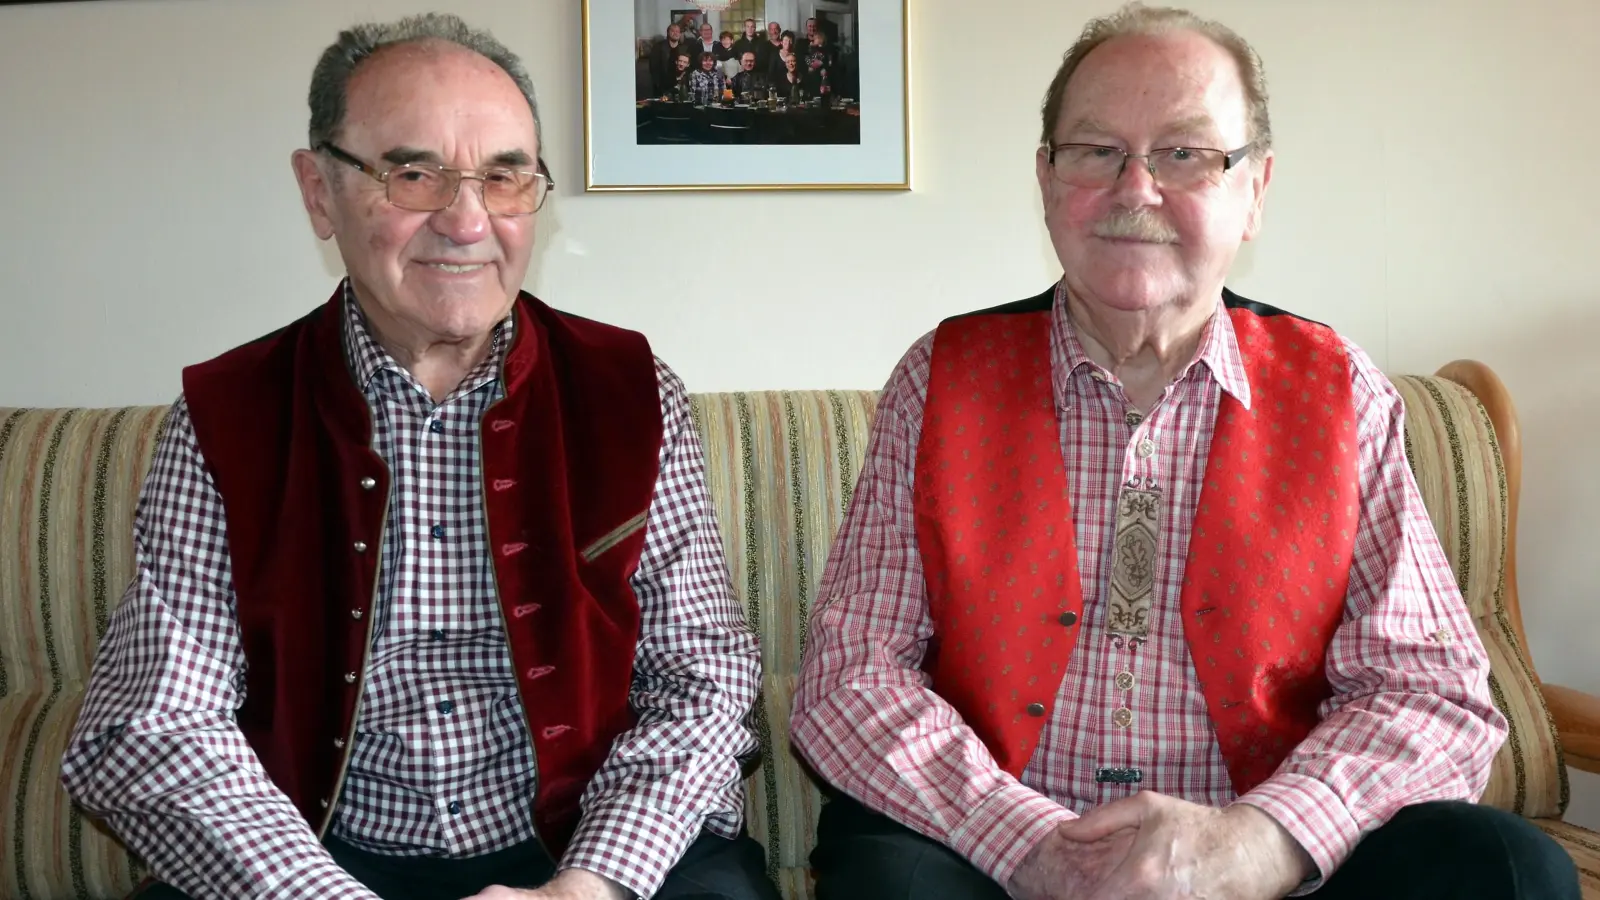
<point x="665" y="122"/>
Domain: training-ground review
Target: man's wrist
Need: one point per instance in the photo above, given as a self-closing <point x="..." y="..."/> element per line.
<point x="582" y="884"/>
<point x="1291" y="864"/>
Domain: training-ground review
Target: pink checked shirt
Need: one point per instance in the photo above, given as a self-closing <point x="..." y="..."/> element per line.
<point x="1411" y="717"/>
<point x="442" y="764"/>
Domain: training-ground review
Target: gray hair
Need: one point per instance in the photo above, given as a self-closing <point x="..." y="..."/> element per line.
<point x="1137" y="19"/>
<point x="330" y="80"/>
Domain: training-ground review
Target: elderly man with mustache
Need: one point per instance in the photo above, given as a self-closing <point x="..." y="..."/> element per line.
<point x="1136" y="596"/>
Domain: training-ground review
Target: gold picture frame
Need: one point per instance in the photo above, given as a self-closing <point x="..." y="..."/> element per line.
<point x="749" y="143"/>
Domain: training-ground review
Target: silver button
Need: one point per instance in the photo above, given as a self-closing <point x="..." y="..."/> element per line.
<point x="368" y="483"/>
<point x="339" y="742"/>
<point x="349" y="678"/>
<point x="324" y="802"/>
<point x="355" y="613"/>
<point x="1123" y="717"/>
<point x="1124" y="681"/>
<point x="361" y="546"/>
<point x="1147" y="448"/>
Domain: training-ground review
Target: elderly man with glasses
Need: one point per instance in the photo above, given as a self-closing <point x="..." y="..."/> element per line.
<point x="1136" y="596"/>
<point x="430" y="600"/>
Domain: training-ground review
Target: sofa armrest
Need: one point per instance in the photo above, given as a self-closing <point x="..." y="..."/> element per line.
<point x="1577" y="717"/>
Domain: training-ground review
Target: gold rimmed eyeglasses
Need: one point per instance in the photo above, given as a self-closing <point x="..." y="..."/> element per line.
<point x="430" y="187"/>
<point x="1174" y="168"/>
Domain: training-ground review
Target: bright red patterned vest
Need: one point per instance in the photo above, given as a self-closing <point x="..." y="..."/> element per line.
<point x="1268" y="563"/>
<point x="569" y="460"/>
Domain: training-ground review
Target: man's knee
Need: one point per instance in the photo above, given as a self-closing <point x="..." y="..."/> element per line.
<point x="861" y="855"/>
<point x="715" y="868"/>
<point x="1485" y="846"/>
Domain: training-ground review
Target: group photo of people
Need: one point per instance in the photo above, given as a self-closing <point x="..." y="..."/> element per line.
<point x="698" y="80"/>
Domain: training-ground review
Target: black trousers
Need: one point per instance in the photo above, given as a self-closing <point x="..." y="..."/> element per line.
<point x="1431" y="851"/>
<point x="713" y="868"/>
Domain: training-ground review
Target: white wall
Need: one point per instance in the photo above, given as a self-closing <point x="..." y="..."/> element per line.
<point x="1436" y="197"/>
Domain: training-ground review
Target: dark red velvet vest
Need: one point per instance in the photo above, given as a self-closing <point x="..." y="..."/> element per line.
<point x="569" y="460"/>
<point x="1268" y="562"/>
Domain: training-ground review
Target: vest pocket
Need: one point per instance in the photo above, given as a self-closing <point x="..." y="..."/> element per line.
<point x="615" y="536"/>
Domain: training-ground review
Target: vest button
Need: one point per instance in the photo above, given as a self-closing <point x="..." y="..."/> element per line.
<point x="324" y="802"/>
<point x="349" y="678"/>
<point x="368" y="483"/>
<point x="355" y="614"/>
<point x="1036" y="709"/>
<point x="339" y="743"/>
<point x="360" y="546"/>
<point x="1068" y="619"/>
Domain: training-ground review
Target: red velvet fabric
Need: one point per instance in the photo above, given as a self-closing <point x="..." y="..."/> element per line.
<point x="1268" y="565"/>
<point x="569" y="459"/>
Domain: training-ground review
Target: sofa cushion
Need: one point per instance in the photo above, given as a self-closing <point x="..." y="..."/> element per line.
<point x="51" y="851"/>
<point x="1451" y="444"/>
<point x="781" y="467"/>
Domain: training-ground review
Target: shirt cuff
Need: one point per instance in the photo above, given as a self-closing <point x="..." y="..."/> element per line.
<point x="317" y="876"/>
<point x="1314" y="816"/>
<point x="1000" y="832"/>
<point x="631" y="843"/>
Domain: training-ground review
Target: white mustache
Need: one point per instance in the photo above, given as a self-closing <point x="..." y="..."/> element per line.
<point x="1136" y="224"/>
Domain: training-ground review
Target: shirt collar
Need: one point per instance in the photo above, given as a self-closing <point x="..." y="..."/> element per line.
<point x="1218" y="353"/>
<point x="366" y="357"/>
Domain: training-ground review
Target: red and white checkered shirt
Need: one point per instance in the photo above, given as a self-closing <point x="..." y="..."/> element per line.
<point x="442" y="764"/>
<point x="1411" y="718"/>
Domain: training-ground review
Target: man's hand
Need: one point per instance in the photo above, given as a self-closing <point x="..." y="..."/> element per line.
<point x="1185" y="850"/>
<point x="571" y="884"/>
<point x="1060" y="868"/>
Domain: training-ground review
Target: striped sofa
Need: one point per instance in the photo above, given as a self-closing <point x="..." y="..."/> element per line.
<point x="782" y="466"/>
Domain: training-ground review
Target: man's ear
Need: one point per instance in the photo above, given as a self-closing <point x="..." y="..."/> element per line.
<point x="316" y="191"/>
<point x="1258" y="199"/>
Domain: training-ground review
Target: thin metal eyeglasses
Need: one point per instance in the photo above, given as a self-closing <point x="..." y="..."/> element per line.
<point x="429" y="187"/>
<point x="1175" y="168"/>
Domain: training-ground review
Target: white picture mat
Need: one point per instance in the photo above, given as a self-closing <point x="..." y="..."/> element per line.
<point x="616" y="160"/>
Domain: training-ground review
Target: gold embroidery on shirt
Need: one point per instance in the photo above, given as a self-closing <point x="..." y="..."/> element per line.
<point x="1133" y="560"/>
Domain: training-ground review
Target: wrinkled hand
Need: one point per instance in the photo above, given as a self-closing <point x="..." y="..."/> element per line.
<point x="1188" y="851"/>
<point x="571" y="884"/>
<point x="1060" y="868"/>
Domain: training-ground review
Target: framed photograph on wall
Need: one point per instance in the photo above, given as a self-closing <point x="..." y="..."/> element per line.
<point x="825" y="107"/>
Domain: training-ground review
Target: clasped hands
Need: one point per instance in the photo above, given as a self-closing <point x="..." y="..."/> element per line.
<point x="1154" y="847"/>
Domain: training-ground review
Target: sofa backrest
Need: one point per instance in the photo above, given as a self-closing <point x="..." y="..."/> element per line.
<point x="782" y="466"/>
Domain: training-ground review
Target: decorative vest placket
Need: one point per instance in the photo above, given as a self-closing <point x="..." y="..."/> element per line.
<point x="1268" y="564"/>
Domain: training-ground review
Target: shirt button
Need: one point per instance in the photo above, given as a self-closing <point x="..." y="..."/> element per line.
<point x="1068" y="619"/>
<point x="1147" y="448"/>
<point x="1036" y="709"/>
<point x="437" y="634"/>
<point x="349" y="678"/>
<point x="1122" y="717"/>
<point x="436" y="426"/>
<point x="454" y="807"/>
<point x="368" y="483"/>
<point x="446" y="707"/>
<point x="360" y="546"/>
<point x="1124" y="681"/>
<point x="437" y="531"/>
